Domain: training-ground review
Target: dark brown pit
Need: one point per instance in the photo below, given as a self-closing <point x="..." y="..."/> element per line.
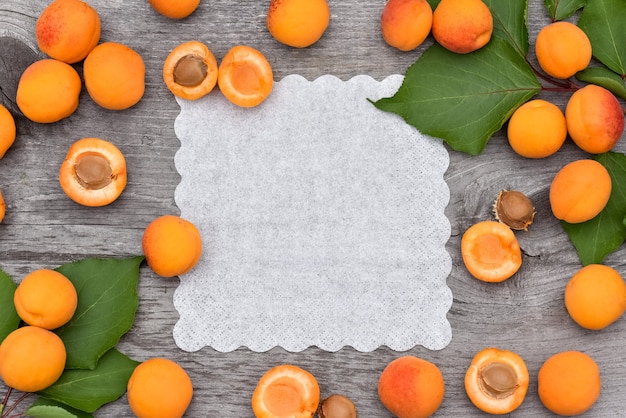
<point x="93" y="171"/>
<point x="514" y="209"/>
<point x="190" y="71"/>
<point x="337" y="406"/>
<point x="498" y="380"/>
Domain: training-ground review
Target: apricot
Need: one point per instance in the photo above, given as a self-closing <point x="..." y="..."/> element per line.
<point x="2" y="207"/>
<point x="48" y="91"/>
<point x="411" y="387"/>
<point x="537" y="129"/>
<point x="298" y="23"/>
<point x="245" y="76"/>
<point x="93" y="172"/>
<point x="569" y="383"/>
<point x="562" y="49"/>
<point x="490" y="251"/>
<point x="580" y="191"/>
<point x="595" y="296"/>
<point x="114" y="76"/>
<point x="67" y="30"/>
<point x="497" y="381"/>
<point x="190" y="70"/>
<point x="175" y="9"/>
<point x="405" y="24"/>
<point x="595" y="119"/>
<point x="7" y="130"/>
<point x="462" y="26"/>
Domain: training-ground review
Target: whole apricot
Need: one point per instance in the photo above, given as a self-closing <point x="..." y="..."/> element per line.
<point x="175" y="9"/>
<point x="7" y="130"/>
<point x="48" y="91"/>
<point x="67" y="30"/>
<point x="298" y="23"/>
<point x="462" y="26"/>
<point x="579" y="191"/>
<point x="595" y="296"/>
<point x="190" y="70"/>
<point x="405" y="24"/>
<point x="245" y="76"/>
<point x="595" y="119"/>
<point x="2" y="207"/>
<point x="562" y="49"/>
<point x="537" y="129"/>
<point x="114" y="76"/>
<point x="411" y="387"/>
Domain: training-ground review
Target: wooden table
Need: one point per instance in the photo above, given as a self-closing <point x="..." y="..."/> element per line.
<point x="44" y="228"/>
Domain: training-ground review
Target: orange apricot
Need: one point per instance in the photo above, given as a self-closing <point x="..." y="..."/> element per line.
<point x="562" y="49"/>
<point x="93" y="172"/>
<point x="569" y="383"/>
<point x="175" y="9"/>
<point x="7" y="130"/>
<point x="462" y="26"/>
<point x="490" y="251"/>
<point x="497" y="381"/>
<point x="2" y="207"/>
<point x="297" y="23"/>
<point x="405" y="24"/>
<point x="31" y="358"/>
<point x="411" y="387"/>
<point x="245" y="76"/>
<point x="159" y="387"/>
<point x="114" y="76"/>
<point x="286" y="391"/>
<point x="172" y="245"/>
<point x="67" y="30"/>
<point x="190" y="70"/>
<point x="45" y="298"/>
<point x="595" y="119"/>
<point x="48" y="91"/>
<point x="537" y="129"/>
<point x="580" y="191"/>
<point x="595" y="296"/>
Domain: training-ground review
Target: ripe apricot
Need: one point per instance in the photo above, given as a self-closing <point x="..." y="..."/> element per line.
<point x="537" y="129"/>
<point x="286" y="391"/>
<point x="562" y="49"/>
<point x="411" y="387"/>
<point x="405" y="24"/>
<point x="569" y="383"/>
<point x="2" y="208"/>
<point x="159" y="387"/>
<point x="190" y="70"/>
<point x="45" y="298"/>
<point x="7" y="130"/>
<point x="245" y="76"/>
<point x="497" y="381"/>
<point x="48" y="91"/>
<point x="114" y="76"/>
<point x="31" y="359"/>
<point x="490" y="251"/>
<point x="580" y="190"/>
<point x="172" y="245"/>
<point x="67" y="30"/>
<point x="595" y="119"/>
<point x="175" y="9"/>
<point x="595" y="296"/>
<point x="297" y="23"/>
<point x="93" y="172"/>
<point x="462" y="26"/>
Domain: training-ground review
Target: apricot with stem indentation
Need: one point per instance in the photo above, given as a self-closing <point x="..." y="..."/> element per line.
<point x="190" y="70"/>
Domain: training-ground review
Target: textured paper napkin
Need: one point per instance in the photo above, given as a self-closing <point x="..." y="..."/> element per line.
<point x="322" y="220"/>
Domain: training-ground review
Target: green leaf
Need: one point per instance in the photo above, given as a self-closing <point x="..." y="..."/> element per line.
<point x="600" y="236"/>
<point x="562" y="9"/>
<point x="603" y="21"/>
<point x="433" y="4"/>
<point x="47" y="408"/>
<point x="463" y="99"/>
<point x="509" y="22"/>
<point x="605" y="78"/>
<point x="9" y="320"/>
<point x="107" y="302"/>
<point x="88" y="390"/>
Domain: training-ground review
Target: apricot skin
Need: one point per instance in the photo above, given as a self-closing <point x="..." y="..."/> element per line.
<point x="405" y="24"/>
<point x="298" y="23"/>
<point x="537" y="129"/>
<point x="175" y="9"/>
<point x="462" y="26"/>
<point x="7" y="130"/>
<point x="562" y="49"/>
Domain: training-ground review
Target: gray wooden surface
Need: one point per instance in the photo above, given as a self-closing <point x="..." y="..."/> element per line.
<point x="43" y="228"/>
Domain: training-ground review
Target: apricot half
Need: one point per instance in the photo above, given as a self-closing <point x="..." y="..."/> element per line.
<point x="245" y="76"/>
<point x="298" y="23"/>
<point x="190" y="70"/>
<point x="93" y="172"/>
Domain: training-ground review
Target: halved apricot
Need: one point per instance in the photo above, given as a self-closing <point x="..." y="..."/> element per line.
<point x="93" y="172"/>
<point x="245" y="76"/>
<point x="490" y="251"/>
<point x="496" y="381"/>
<point x="190" y="70"/>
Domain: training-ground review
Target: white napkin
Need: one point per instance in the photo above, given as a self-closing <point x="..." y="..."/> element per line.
<point x="322" y="221"/>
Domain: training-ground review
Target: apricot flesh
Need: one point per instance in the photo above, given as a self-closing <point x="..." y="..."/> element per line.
<point x="190" y="70"/>
<point x="245" y="76"/>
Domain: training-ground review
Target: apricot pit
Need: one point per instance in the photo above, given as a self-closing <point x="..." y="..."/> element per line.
<point x="514" y="209"/>
<point x="190" y="70"/>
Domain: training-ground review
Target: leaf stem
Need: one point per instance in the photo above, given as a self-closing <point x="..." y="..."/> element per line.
<point x="565" y="85"/>
<point x="17" y="402"/>
<point x="5" y="401"/>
